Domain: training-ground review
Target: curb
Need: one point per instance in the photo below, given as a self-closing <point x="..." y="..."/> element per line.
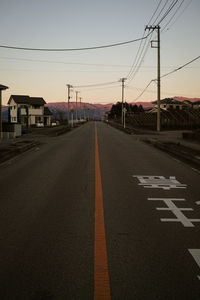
<point x="181" y="152"/>
<point x="16" y="149"/>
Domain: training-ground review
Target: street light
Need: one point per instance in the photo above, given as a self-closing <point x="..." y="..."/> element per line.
<point x="2" y="88"/>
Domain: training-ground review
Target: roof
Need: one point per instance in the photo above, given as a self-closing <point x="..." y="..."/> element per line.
<point x="47" y="111"/>
<point x="25" y="99"/>
<point x="37" y="100"/>
<point x="168" y="101"/>
<point x="3" y="87"/>
<point x="187" y="101"/>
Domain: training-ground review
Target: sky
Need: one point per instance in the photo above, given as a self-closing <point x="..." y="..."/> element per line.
<point x="87" y="23"/>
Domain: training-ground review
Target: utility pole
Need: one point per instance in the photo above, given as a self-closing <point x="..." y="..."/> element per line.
<point x="69" y="90"/>
<point x="80" y="107"/>
<point x="122" y="80"/>
<point x="84" y="112"/>
<point x="158" y="71"/>
<point x="2" y="88"/>
<point x="76" y="106"/>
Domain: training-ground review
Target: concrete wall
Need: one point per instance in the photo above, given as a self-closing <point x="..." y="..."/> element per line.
<point x="12" y="130"/>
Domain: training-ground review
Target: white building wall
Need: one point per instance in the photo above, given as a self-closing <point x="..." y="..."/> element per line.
<point x="13" y="112"/>
<point x="36" y="112"/>
<point x="32" y="120"/>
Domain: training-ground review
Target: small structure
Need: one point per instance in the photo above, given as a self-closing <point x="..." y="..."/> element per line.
<point x="11" y="130"/>
<point x="28" y="110"/>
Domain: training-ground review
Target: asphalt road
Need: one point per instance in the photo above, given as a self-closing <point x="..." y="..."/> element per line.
<point x="48" y="220"/>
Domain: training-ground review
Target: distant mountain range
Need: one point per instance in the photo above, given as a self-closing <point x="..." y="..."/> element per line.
<point x="93" y="111"/>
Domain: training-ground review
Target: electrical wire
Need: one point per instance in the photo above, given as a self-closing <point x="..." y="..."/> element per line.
<point x="150" y="82"/>
<point x="160" y="12"/>
<point x="99" y="88"/>
<point x="93" y="85"/>
<point x="72" y="49"/>
<point x="141" y="55"/>
<point x="173" y="3"/>
<point x="139" y="58"/>
<point x="165" y="75"/>
<point x="155" y="12"/>
<point x="173" y="15"/>
<point x="138" y="54"/>
<point x="180" y="14"/>
<point x="191" y="61"/>
<point x="63" y="62"/>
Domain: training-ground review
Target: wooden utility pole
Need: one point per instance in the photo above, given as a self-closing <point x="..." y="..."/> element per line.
<point x="76" y="106"/>
<point x="69" y="90"/>
<point x="122" y="81"/>
<point x="2" y="87"/>
<point x="80" y="107"/>
<point x="158" y="71"/>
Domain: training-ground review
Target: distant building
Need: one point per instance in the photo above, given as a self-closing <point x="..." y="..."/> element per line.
<point x="169" y="103"/>
<point x="188" y="103"/>
<point x="28" y="110"/>
<point x="196" y="104"/>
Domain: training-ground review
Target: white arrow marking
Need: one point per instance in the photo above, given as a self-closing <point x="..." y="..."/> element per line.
<point x="196" y="255"/>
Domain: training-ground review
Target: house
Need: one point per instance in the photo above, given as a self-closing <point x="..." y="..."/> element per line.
<point x="188" y="104"/>
<point x="28" y="110"/>
<point x="196" y="104"/>
<point x="169" y="103"/>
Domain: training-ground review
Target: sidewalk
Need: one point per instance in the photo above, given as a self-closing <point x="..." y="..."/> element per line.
<point x="170" y="141"/>
<point x="175" y="137"/>
<point x="12" y="147"/>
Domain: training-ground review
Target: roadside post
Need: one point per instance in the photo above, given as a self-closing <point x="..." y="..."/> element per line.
<point x="72" y="116"/>
<point x="124" y="111"/>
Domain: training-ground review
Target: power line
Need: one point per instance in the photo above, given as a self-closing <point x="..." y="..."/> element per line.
<point x="181" y="13"/>
<point x="97" y="84"/>
<point x="165" y="75"/>
<point x="72" y="49"/>
<point x="168" y="11"/>
<point x="62" y="62"/>
<point x="99" y="88"/>
<point x="141" y="55"/>
<point x="150" y="82"/>
<point x="136" y="57"/>
<point x="154" y="22"/>
<point x="140" y="59"/>
<point x="191" y="61"/>
<point x="173" y="15"/>
<point x="155" y="12"/>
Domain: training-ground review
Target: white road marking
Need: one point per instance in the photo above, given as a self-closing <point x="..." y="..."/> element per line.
<point x="180" y="217"/>
<point x="198" y="202"/>
<point x="195" y="170"/>
<point x="196" y="255"/>
<point x="160" y="182"/>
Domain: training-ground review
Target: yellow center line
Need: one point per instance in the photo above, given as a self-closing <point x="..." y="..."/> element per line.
<point x="101" y="273"/>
